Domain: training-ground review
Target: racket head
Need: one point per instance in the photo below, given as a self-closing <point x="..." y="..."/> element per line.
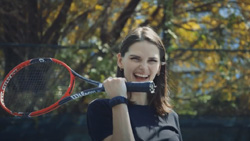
<point x="36" y="86"/>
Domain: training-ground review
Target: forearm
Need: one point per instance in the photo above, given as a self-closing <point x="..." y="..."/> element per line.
<point x="122" y="129"/>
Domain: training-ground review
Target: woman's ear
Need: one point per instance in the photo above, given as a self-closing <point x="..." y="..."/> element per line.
<point x="119" y="60"/>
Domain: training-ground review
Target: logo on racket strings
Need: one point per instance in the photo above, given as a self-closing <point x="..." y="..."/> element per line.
<point x="82" y="94"/>
<point x="5" y="84"/>
<point x="8" y="79"/>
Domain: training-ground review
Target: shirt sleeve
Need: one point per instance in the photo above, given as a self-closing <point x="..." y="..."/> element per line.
<point x="99" y="119"/>
<point x="176" y="118"/>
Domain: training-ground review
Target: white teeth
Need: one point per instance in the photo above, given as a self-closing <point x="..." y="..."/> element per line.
<point x="141" y="75"/>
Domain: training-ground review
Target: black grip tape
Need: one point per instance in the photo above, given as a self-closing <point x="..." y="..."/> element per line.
<point x="148" y="87"/>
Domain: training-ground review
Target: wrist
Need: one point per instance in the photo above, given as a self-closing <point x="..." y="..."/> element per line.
<point x="118" y="100"/>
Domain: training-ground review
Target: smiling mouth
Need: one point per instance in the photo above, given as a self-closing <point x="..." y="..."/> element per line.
<point x="141" y="77"/>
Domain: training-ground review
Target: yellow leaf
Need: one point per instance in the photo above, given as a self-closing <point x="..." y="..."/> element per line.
<point x="206" y="19"/>
<point x="248" y="7"/>
<point x="144" y="5"/>
<point x="185" y="35"/>
<point x="76" y="27"/>
<point x="242" y="26"/>
<point x="152" y="9"/>
<point x="215" y="9"/>
<point x="214" y="23"/>
<point x="192" y="25"/>
<point x="98" y="7"/>
<point x="138" y="21"/>
<point x="73" y="7"/>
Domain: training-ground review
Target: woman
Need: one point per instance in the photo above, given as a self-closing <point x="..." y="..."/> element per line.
<point x="136" y="116"/>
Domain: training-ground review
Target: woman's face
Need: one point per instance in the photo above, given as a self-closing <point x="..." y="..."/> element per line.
<point x="141" y="62"/>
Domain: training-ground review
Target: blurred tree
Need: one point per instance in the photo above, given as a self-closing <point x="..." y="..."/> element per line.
<point x="207" y="44"/>
<point x="26" y="21"/>
<point x="213" y="64"/>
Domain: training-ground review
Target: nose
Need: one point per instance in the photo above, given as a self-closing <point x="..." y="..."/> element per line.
<point x="143" y="65"/>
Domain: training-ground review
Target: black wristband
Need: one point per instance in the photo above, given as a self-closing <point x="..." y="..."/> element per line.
<point x="117" y="100"/>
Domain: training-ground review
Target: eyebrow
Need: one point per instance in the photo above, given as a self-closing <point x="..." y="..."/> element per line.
<point x="132" y="55"/>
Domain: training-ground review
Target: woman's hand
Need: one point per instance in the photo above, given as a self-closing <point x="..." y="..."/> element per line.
<point x="115" y="87"/>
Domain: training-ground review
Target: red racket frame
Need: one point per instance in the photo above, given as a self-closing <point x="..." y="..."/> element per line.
<point x="41" y="111"/>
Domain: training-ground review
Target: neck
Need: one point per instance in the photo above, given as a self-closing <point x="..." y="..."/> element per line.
<point x="139" y="98"/>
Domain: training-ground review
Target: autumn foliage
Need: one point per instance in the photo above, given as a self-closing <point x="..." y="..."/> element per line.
<point x="207" y="45"/>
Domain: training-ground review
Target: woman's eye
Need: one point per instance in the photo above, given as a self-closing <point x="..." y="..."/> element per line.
<point x="135" y="59"/>
<point x="154" y="61"/>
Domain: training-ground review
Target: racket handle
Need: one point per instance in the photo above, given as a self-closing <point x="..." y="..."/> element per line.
<point x="141" y="87"/>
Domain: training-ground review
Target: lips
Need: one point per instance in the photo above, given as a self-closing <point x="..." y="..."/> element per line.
<point x="141" y="77"/>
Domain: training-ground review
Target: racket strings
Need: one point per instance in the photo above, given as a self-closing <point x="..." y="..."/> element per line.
<point x="36" y="87"/>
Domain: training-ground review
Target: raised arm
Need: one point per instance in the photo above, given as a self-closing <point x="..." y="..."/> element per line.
<point x="122" y="129"/>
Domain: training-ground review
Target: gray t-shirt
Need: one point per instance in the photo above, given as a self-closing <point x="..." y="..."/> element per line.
<point x="146" y="124"/>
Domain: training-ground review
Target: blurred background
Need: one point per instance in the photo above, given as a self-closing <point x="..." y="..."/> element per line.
<point x="208" y="55"/>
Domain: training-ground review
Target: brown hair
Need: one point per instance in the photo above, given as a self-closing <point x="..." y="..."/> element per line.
<point x="160" y="100"/>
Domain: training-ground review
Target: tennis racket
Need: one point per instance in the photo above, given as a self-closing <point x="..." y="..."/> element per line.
<point x="38" y="86"/>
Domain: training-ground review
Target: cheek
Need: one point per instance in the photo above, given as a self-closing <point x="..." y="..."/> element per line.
<point x="155" y="69"/>
<point x="128" y="68"/>
<point x="129" y="65"/>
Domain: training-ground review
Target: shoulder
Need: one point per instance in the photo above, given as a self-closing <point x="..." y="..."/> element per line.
<point x="172" y="118"/>
<point x="173" y="114"/>
<point x="99" y="108"/>
<point x="98" y="104"/>
<point x="99" y="119"/>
